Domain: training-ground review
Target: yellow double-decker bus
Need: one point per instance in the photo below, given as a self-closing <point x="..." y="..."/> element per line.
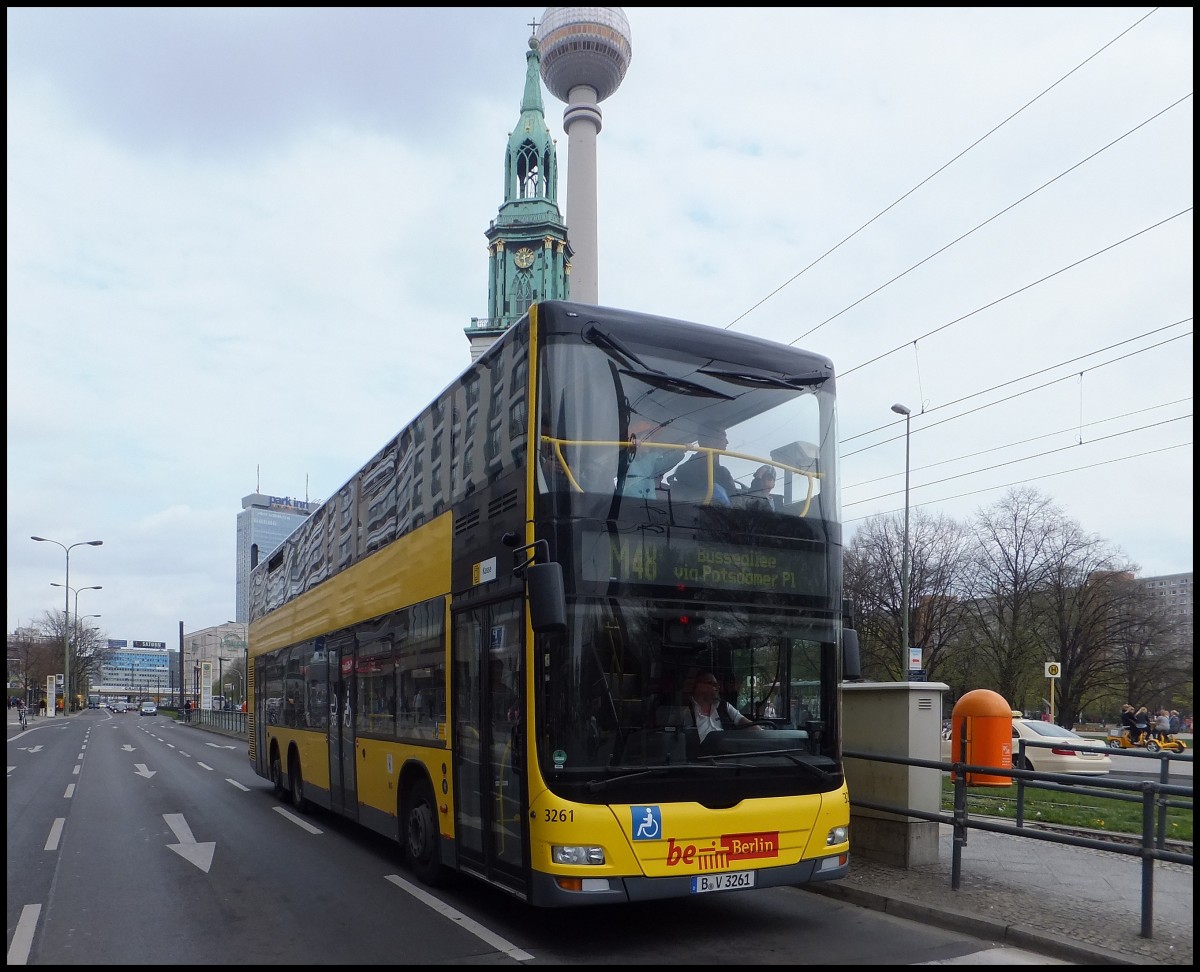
<point x="577" y="629"/>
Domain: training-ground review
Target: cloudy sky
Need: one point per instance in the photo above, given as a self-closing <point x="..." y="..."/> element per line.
<point x="243" y="245"/>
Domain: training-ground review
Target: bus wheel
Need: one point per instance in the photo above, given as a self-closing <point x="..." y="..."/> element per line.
<point x="297" y="784"/>
<point x="420" y="835"/>
<point x="277" y="775"/>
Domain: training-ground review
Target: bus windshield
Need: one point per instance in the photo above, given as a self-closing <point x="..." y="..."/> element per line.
<point x="691" y="488"/>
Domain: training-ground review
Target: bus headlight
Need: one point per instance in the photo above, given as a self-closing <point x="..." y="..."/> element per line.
<point x="837" y="835"/>
<point x="576" y="854"/>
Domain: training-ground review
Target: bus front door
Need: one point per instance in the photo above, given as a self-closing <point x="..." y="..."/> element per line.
<point x="489" y="743"/>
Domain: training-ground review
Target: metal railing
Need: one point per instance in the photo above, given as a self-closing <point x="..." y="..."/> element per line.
<point x="1155" y="797"/>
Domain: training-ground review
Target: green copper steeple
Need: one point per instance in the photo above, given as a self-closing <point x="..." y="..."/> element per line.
<point x="528" y="253"/>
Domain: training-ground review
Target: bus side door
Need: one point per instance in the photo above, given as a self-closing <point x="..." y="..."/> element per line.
<point x="489" y="742"/>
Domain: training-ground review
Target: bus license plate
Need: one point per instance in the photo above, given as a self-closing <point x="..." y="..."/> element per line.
<point x="722" y="882"/>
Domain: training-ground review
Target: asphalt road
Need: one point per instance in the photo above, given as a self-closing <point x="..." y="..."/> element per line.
<point x="135" y="840"/>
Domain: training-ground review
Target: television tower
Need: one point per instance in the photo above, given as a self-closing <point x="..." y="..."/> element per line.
<point x="585" y="53"/>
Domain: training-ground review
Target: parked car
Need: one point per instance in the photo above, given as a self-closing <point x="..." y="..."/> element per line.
<point x="148" y="708"/>
<point x="1077" y="755"/>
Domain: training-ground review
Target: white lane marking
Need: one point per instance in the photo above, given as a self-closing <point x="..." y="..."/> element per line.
<point x="22" y="941"/>
<point x="284" y="812"/>
<point x="56" y="830"/>
<point x="70" y="791"/>
<point x="204" y="765"/>
<point x="75" y="771"/>
<point x="469" y="924"/>
<point x="244" y="789"/>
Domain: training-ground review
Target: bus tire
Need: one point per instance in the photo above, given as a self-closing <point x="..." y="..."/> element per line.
<point x="420" y="837"/>
<point x="296" y="783"/>
<point x="277" y="775"/>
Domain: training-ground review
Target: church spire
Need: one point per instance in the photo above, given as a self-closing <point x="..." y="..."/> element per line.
<point x="529" y="256"/>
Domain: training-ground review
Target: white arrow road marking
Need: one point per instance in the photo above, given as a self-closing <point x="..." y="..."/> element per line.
<point x="199" y="854"/>
<point x="127" y="748"/>
<point x="463" y="922"/>
<point x="142" y="771"/>
<point x="283" y="812"/>
<point x="32" y="749"/>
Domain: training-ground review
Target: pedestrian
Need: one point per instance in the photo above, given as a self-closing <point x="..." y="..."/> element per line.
<point x="187" y="711"/>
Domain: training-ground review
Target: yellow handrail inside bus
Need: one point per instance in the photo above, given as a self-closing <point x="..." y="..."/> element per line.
<point x="709" y="451"/>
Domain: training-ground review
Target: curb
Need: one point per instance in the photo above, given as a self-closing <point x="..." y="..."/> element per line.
<point x="1016" y="935"/>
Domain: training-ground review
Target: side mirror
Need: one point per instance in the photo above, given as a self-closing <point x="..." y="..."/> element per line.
<point x="547" y="598"/>
<point x="851" y="663"/>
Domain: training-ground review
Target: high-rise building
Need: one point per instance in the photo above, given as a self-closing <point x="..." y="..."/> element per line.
<point x="1173" y="594"/>
<point x="264" y="523"/>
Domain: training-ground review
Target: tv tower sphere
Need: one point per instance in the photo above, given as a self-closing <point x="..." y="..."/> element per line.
<point x="584" y="45"/>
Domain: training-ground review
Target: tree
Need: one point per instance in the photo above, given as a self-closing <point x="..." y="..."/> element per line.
<point x="1088" y="610"/>
<point x="939" y="549"/>
<point x="1011" y="564"/>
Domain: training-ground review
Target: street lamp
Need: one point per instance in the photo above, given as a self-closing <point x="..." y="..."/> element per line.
<point x="66" y="606"/>
<point x="245" y="673"/>
<point x="79" y="636"/>
<point x="75" y="591"/>
<point x="241" y="682"/>
<point x="903" y="410"/>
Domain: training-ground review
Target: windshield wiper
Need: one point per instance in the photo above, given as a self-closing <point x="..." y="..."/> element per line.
<point x="767" y="381"/>
<point x="612" y="347"/>
<point x="683" y="386"/>
<point x="595" y="786"/>
<point x="787" y="754"/>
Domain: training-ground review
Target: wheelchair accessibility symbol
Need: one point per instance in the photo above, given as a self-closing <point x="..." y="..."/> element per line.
<point x="647" y="823"/>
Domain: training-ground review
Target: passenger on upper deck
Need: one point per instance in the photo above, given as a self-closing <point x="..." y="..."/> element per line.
<point x="647" y="465"/>
<point x="693" y="474"/>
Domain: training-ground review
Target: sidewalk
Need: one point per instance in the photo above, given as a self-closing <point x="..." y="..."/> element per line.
<point x="1073" y="903"/>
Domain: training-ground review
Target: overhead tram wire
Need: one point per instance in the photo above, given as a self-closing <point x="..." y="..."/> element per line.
<point x="1055" y="381"/>
<point x="1010" y="462"/>
<point x="1010" y="445"/>
<point x="1019" y="482"/>
<point x="1019" y="290"/>
<point x="940" y="169"/>
<point x="994" y="216"/>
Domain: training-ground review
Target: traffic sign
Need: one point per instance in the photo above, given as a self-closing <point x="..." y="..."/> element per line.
<point x="1053" y="669"/>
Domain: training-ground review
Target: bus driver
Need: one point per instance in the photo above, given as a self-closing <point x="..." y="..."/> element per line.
<point x="708" y="709"/>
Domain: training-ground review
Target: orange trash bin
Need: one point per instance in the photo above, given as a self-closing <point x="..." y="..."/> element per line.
<point x="984" y="719"/>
